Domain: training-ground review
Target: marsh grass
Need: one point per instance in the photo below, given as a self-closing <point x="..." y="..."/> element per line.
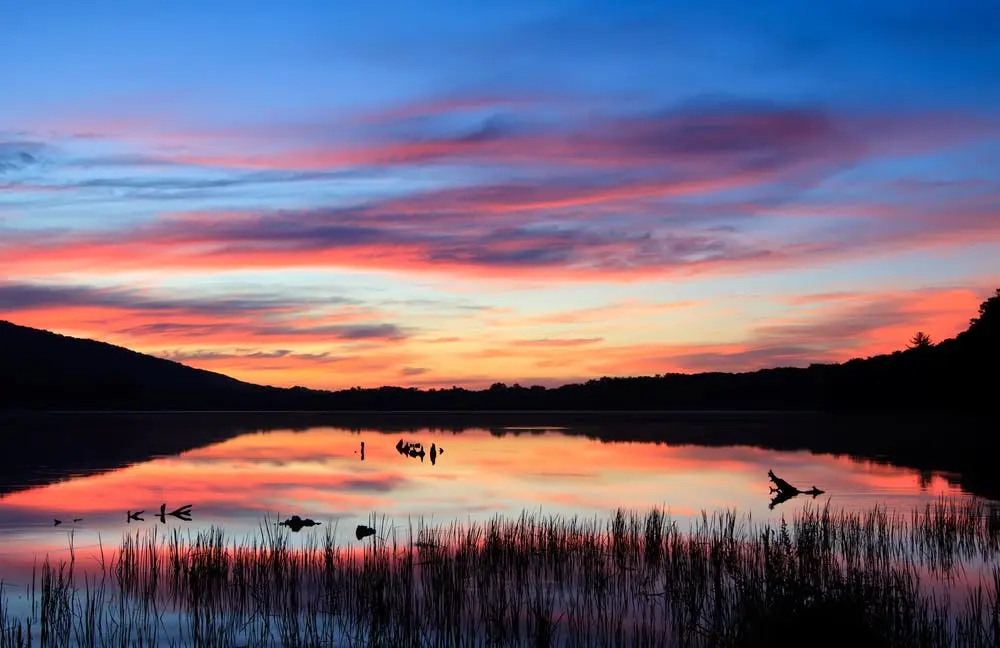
<point x="822" y="578"/>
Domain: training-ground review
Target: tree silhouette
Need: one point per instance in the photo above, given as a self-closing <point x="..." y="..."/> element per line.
<point x="40" y="370"/>
<point x="989" y="313"/>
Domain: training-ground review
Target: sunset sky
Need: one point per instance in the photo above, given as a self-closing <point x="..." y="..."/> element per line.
<point x="433" y="193"/>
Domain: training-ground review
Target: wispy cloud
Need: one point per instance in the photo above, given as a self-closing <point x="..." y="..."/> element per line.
<point x="20" y="155"/>
<point x="724" y="137"/>
<point x="20" y="296"/>
<point x="246" y="354"/>
<point x="557" y="342"/>
<point x="579" y="193"/>
<point x="632" y="248"/>
<point x="132" y="316"/>
<point x="675" y="192"/>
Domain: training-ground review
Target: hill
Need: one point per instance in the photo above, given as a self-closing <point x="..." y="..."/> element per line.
<point x="43" y="371"/>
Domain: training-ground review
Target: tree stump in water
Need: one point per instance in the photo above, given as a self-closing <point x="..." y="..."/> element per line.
<point x="783" y="491"/>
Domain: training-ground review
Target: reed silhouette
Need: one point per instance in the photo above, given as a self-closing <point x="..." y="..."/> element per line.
<point x="819" y="578"/>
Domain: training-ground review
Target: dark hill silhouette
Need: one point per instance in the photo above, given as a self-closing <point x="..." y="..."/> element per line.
<point x="44" y="371"/>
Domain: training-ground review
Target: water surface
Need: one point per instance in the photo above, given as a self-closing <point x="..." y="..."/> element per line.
<point x="237" y="479"/>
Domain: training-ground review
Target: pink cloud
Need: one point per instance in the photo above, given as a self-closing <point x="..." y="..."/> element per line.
<point x="837" y="329"/>
<point x="373" y="240"/>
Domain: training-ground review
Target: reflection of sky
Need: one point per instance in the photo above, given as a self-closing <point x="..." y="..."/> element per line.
<point x="319" y="474"/>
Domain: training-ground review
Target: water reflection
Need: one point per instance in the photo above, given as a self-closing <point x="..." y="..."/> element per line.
<point x="415" y="450"/>
<point x="782" y="491"/>
<point x="316" y="473"/>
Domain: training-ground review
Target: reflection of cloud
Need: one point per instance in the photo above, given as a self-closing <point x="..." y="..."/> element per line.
<point x="265" y="488"/>
<point x="315" y="473"/>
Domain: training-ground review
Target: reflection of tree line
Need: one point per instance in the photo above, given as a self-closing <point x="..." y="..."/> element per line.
<point x="950" y="446"/>
<point x="953" y="447"/>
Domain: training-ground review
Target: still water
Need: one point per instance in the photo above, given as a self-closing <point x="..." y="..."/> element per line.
<point x="478" y="472"/>
<point x="75" y="487"/>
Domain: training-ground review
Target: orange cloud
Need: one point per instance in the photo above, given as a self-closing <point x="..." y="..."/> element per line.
<point x="262" y="339"/>
<point x="288" y="341"/>
<point x="843" y="326"/>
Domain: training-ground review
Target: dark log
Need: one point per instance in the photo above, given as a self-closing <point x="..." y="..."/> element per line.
<point x="783" y="491"/>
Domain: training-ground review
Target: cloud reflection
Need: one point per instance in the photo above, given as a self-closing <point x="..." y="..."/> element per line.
<point x="316" y="473"/>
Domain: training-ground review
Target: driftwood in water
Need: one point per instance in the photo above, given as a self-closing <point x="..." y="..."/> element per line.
<point x="783" y="491"/>
<point x="182" y="513"/>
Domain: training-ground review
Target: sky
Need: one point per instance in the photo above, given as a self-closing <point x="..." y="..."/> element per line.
<point x="449" y="193"/>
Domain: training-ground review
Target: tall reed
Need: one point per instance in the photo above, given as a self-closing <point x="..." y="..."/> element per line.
<point x="868" y="578"/>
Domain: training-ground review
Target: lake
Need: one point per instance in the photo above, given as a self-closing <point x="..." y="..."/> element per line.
<point x="88" y="472"/>
<point x="234" y="478"/>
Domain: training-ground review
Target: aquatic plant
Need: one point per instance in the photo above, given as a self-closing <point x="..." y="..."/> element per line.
<point x="871" y="577"/>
